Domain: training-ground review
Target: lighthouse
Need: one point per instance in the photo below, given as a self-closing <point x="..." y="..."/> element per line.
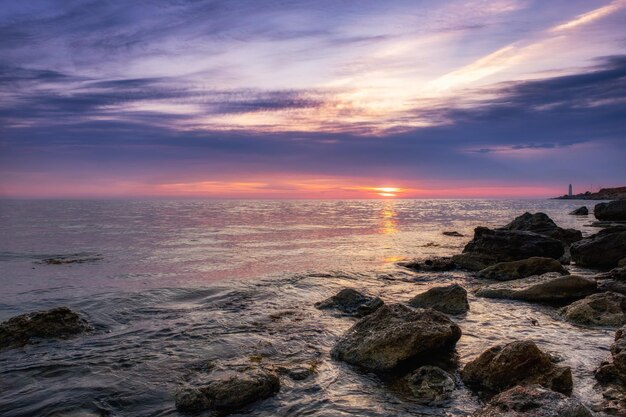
<point x="569" y="194"/>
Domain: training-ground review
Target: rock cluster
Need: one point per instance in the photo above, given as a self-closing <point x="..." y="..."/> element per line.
<point x="543" y="225"/>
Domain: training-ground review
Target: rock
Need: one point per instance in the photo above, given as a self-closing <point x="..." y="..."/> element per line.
<point x="57" y="323"/>
<point x="394" y="335"/>
<point x="618" y="352"/>
<point x="602" y="250"/>
<point x="546" y="288"/>
<point x="610" y="285"/>
<point x="453" y="233"/>
<point x="602" y="309"/>
<point x="543" y="225"/>
<point x="430" y="265"/>
<point x="611" y="211"/>
<point x="621" y="262"/>
<point x="506" y="271"/>
<point x="431" y="385"/>
<point x="351" y="302"/>
<point x="580" y="211"/>
<point x="451" y="299"/>
<point x="473" y="261"/>
<point x="532" y="401"/>
<point x="522" y="362"/>
<point x="228" y="390"/>
<point x="495" y="246"/>
<point x="618" y="274"/>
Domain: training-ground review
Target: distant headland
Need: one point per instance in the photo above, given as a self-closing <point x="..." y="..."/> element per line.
<point x="617" y="193"/>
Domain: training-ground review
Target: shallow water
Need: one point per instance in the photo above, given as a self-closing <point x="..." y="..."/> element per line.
<point x="182" y="283"/>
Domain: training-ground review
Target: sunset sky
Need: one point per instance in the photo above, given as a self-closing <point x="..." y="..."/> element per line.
<point x="311" y="99"/>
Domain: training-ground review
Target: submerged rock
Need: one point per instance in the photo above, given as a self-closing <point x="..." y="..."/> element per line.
<point x="493" y="246"/>
<point x="395" y="334"/>
<point x="451" y="299"/>
<point x="602" y="309"/>
<point x="57" y="323"/>
<point x="542" y="224"/>
<point x="546" y="288"/>
<point x="522" y="362"/>
<point x="351" y="302"/>
<point x="453" y="233"/>
<point x="431" y="384"/>
<point x="611" y="211"/>
<point x="228" y="390"/>
<point x="430" y="265"/>
<point x="532" y="401"/>
<point x="505" y="271"/>
<point x="603" y="250"/>
<point x="580" y="211"/>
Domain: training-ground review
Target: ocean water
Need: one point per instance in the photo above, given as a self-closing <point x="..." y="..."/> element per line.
<point x="172" y="285"/>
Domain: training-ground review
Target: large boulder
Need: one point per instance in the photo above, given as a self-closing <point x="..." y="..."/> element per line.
<point x="495" y="246"/>
<point x="451" y="299"/>
<point x="612" y="211"/>
<point x="603" y="250"/>
<point x="430" y="385"/>
<point x="396" y="334"/>
<point x="602" y="309"/>
<point x="505" y="271"/>
<point x="541" y="224"/>
<point x="227" y="391"/>
<point x="532" y="401"/>
<point x="351" y="302"/>
<point x="57" y="323"/>
<point x="522" y="362"/>
<point x="438" y="264"/>
<point x="580" y="211"/>
<point x="546" y="288"/>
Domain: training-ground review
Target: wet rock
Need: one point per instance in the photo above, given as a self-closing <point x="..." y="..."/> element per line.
<point x="502" y="367"/>
<point x="618" y="274"/>
<point x="430" y="265"/>
<point x="57" y="323"/>
<point x="493" y="246"/>
<point x="351" y="302"/>
<point x="72" y="259"/>
<point x="228" y="390"/>
<point x="611" y="211"/>
<point x="532" y="401"/>
<point x="431" y="385"/>
<point x="451" y="299"/>
<point x="580" y="211"/>
<point x="618" y="352"/>
<point x="602" y="250"/>
<point x="506" y="271"/>
<point x="453" y="233"/>
<point x="610" y="285"/>
<point x="546" y="288"/>
<point x="396" y="334"/>
<point x="602" y="309"/>
<point x="299" y="374"/>
<point x="473" y="261"/>
<point x="543" y="225"/>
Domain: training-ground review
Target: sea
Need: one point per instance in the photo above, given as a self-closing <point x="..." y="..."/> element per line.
<point x="170" y="286"/>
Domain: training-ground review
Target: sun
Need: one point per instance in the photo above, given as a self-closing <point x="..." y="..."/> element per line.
<point x="388" y="191"/>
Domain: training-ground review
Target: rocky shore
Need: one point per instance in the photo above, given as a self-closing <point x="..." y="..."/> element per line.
<point x="413" y="343"/>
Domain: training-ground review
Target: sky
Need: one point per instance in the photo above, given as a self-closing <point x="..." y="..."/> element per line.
<point x="311" y="99"/>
